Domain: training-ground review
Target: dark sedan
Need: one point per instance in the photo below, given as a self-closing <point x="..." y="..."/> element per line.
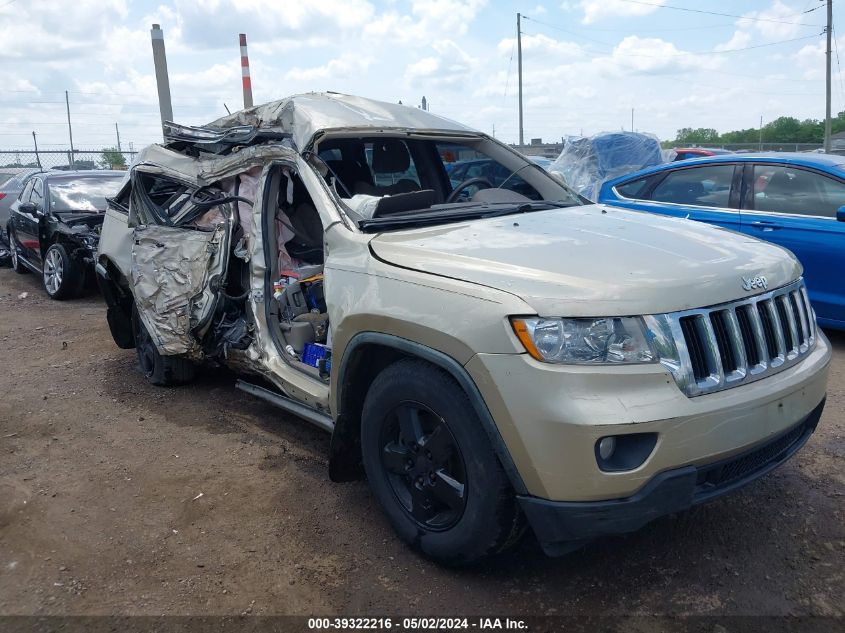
<point x="54" y="226"/>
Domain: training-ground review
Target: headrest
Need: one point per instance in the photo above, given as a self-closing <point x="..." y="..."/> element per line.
<point x="390" y="156"/>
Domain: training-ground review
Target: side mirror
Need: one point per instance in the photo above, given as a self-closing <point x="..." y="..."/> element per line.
<point x="840" y="214"/>
<point x="28" y="207"/>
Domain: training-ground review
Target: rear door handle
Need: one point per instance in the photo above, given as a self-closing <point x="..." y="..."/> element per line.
<point x="765" y="225"/>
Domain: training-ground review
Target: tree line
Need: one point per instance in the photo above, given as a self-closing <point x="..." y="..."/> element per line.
<point x="785" y="129"/>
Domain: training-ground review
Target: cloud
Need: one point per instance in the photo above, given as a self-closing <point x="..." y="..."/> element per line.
<point x="778" y="22"/>
<point x="596" y="10"/>
<point x="451" y="67"/>
<point x="428" y="20"/>
<point x="740" y="39"/>
<point x="212" y="24"/>
<point x="558" y="51"/>
<point x="810" y="58"/>
<point x="37" y="31"/>
<point x="652" y="55"/>
<point x="424" y="67"/>
<point x="346" y="64"/>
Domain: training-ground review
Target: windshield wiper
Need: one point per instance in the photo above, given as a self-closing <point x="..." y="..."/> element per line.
<point x="526" y="207"/>
<point x="478" y="211"/>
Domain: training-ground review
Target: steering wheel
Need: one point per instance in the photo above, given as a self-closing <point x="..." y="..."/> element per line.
<point x="469" y="182"/>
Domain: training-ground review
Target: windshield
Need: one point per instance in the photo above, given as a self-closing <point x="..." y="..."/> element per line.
<point x="82" y="194"/>
<point x="387" y="182"/>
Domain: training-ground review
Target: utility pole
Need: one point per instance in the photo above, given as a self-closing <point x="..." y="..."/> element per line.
<point x="37" y="157"/>
<point x="69" y="129"/>
<point x="829" y="32"/>
<point x="519" y="66"/>
<point x="761" y="132"/>
<point x="632" y="119"/>
<point x="247" y="80"/>
<point x="117" y="131"/>
<point x="162" y="80"/>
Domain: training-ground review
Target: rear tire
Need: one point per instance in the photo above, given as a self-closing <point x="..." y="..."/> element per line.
<point x="432" y="468"/>
<point x="163" y="371"/>
<point x="62" y="275"/>
<point x="17" y="266"/>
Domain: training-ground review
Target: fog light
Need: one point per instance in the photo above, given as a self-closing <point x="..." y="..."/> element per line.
<point x="616" y="453"/>
<point x="606" y="447"/>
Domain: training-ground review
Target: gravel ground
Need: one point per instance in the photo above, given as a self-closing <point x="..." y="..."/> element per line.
<point x="117" y="497"/>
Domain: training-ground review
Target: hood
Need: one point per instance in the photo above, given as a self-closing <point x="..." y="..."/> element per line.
<point x="593" y="260"/>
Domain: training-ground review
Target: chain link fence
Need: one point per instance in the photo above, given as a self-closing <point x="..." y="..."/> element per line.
<point x="106" y="158"/>
<point x="749" y="147"/>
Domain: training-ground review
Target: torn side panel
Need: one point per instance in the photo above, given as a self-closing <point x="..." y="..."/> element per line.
<point x="171" y="270"/>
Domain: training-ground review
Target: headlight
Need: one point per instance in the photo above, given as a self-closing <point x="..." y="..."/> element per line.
<point x="591" y="341"/>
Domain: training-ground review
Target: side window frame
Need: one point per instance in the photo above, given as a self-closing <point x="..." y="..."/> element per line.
<point x="117" y="202"/>
<point x="644" y="192"/>
<point x="144" y="210"/>
<point x="748" y="189"/>
<point x="23" y="196"/>
<point x="38" y="191"/>
<point x="733" y="192"/>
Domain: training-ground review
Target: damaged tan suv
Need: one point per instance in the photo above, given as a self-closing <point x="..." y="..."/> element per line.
<point x="491" y="355"/>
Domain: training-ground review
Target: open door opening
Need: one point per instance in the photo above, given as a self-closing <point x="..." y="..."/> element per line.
<point x="296" y="304"/>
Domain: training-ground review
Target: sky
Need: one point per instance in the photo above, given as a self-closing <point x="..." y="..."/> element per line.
<point x="586" y="63"/>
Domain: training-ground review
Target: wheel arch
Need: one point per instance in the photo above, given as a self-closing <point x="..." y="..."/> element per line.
<point x="118" y="296"/>
<point x="364" y="357"/>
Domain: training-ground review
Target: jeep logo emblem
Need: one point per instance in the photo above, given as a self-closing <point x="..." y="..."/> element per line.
<point x="753" y="283"/>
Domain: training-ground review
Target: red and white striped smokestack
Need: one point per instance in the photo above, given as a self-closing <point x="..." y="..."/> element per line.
<point x="245" y="72"/>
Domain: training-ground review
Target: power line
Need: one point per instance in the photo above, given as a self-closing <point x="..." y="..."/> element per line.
<point x="725" y="15"/>
<point x="508" y="76"/>
<point x="693" y="53"/>
<point x="838" y="67"/>
<point x="721" y="72"/>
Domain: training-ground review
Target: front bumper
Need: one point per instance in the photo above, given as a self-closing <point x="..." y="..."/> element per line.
<point x="551" y="417"/>
<point x="560" y="526"/>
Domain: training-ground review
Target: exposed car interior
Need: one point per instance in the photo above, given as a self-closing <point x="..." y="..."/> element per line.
<point x="382" y="176"/>
<point x="293" y="250"/>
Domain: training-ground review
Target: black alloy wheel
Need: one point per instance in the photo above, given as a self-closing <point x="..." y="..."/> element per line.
<point x="431" y="466"/>
<point x="424" y="466"/>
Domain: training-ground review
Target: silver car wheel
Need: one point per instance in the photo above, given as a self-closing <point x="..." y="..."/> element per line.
<point x="53" y="271"/>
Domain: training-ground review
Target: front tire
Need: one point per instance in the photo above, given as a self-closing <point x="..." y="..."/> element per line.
<point x="163" y="371"/>
<point x="62" y="275"/>
<point x="430" y="465"/>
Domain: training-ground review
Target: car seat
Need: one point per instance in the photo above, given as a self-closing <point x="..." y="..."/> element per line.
<point x="390" y="157"/>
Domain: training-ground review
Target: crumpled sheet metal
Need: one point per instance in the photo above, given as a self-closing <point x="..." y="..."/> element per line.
<point x="306" y="114"/>
<point x="587" y="162"/>
<point x="169" y="273"/>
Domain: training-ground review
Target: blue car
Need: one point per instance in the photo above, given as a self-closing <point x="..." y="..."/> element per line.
<point x="794" y="200"/>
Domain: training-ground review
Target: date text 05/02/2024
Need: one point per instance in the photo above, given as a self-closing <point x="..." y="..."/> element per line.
<point x="426" y="623"/>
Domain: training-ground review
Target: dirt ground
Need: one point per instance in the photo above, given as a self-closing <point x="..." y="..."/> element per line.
<point x="117" y="497"/>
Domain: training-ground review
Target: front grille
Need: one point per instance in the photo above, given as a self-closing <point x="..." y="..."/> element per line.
<point x="738" y="468"/>
<point x="735" y="343"/>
